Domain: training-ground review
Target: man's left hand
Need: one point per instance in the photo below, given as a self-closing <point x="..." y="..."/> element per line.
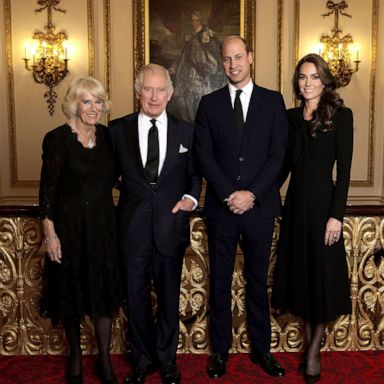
<point x="240" y="202"/>
<point x="185" y="204"/>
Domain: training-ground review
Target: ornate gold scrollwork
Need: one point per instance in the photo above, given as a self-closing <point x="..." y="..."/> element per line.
<point x="22" y="331"/>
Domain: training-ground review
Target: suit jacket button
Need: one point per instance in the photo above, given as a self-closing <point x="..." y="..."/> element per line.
<point x="241" y="158"/>
<point x="238" y="178"/>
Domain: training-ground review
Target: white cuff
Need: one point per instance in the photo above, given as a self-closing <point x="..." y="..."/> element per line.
<point x="195" y="202"/>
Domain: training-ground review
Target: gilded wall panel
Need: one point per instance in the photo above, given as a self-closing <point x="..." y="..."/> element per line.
<point x="23" y="331"/>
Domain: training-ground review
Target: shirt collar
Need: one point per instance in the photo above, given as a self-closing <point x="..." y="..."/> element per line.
<point x="247" y="89"/>
<point x="162" y="119"/>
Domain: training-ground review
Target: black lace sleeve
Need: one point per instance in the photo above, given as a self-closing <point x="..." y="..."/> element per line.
<point x="53" y="163"/>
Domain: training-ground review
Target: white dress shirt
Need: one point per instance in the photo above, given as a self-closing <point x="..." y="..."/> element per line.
<point x="145" y="125"/>
<point x="162" y="128"/>
<point x="245" y="97"/>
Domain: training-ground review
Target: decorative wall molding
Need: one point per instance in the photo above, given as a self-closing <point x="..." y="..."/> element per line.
<point x="91" y="38"/>
<point x="280" y="45"/>
<point x="107" y="38"/>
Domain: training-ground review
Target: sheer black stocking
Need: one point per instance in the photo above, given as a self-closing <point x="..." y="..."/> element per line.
<point x="103" y="337"/>
<point x="312" y="362"/>
<point x="72" y="331"/>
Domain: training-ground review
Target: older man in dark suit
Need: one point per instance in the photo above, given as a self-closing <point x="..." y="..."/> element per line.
<point x="159" y="189"/>
<point x="241" y="136"/>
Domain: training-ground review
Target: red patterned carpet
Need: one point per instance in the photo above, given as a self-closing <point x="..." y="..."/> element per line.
<point x="338" y="368"/>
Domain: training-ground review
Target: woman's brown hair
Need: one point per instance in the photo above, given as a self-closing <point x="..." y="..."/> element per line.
<point x="329" y="102"/>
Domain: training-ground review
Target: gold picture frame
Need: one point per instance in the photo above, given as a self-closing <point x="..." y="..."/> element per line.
<point x="162" y="29"/>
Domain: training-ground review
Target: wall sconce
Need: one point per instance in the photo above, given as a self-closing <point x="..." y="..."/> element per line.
<point x="336" y="49"/>
<point x="50" y="56"/>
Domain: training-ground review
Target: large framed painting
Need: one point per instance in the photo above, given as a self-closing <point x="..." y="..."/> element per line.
<point x="185" y="37"/>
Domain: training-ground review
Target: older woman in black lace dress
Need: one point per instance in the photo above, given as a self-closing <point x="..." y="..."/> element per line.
<point x="81" y="270"/>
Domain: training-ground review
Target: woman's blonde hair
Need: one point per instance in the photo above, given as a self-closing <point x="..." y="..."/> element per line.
<point x="80" y="86"/>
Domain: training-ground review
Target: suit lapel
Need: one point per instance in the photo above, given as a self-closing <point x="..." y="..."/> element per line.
<point x="173" y="143"/>
<point x="227" y="114"/>
<point x="253" y="109"/>
<point x="131" y="137"/>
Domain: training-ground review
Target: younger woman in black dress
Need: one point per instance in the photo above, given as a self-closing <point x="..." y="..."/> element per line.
<point x="81" y="269"/>
<point x="311" y="276"/>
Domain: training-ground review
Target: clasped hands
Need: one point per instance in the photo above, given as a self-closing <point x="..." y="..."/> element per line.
<point x="240" y="202"/>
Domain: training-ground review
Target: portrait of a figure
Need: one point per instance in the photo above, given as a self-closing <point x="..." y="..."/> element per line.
<point x="186" y="37"/>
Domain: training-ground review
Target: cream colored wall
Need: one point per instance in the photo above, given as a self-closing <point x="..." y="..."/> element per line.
<point x="114" y="66"/>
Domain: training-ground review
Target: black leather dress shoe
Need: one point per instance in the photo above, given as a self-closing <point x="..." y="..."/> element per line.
<point x="216" y="367"/>
<point x="170" y="374"/>
<point x="269" y="364"/>
<point x="138" y="375"/>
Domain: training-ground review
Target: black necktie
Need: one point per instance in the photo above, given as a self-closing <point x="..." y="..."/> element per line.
<point x="239" y="113"/>
<point x="152" y="165"/>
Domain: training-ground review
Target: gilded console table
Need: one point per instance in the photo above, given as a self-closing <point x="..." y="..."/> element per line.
<point x="23" y="331"/>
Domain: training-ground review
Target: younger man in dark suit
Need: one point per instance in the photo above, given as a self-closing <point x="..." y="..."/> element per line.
<point x="241" y="136"/>
<point x="159" y="188"/>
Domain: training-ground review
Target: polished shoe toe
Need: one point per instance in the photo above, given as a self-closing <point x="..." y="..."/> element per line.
<point x="137" y="377"/>
<point x="269" y="364"/>
<point x="217" y="365"/>
<point x="170" y="374"/>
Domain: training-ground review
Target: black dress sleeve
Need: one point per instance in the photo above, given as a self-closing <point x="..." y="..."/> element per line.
<point x="53" y="163"/>
<point x="344" y="147"/>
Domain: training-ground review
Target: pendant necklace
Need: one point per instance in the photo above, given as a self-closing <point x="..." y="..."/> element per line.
<point x="80" y="134"/>
<point x="91" y="143"/>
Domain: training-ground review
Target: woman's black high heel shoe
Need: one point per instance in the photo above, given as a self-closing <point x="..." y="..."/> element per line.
<point x="73" y="379"/>
<point x="111" y="379"/>
<point x="311" y="379"/>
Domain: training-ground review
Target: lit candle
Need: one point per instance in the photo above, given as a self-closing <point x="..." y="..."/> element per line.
<point x="33" y="58"/>
<point x="25" y="52"/>
<point x="65" y="53"/>
<point x="320" y="52"/>
<point x="357" y="55"/>
<point x="340" y="52"/>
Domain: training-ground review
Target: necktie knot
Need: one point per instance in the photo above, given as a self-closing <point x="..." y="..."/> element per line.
<point x="153" y="121"/>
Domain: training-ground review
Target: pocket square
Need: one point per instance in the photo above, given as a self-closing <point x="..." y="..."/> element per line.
<point x="182" y="149"/>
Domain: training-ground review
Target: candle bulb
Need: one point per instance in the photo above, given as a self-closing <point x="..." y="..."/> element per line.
<point x="357" y="55"/>
<point x="25" y="52"/>
<point x="65" y="53"/>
